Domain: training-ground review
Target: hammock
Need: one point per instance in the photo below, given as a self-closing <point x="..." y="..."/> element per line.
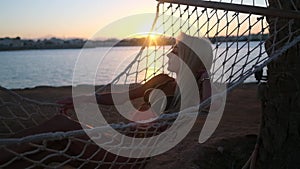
<point x="231" y="26"/>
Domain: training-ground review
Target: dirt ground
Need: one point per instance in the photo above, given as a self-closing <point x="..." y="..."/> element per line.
<point x="229" y="147"/>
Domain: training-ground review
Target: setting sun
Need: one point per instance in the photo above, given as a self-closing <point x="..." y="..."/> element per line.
<point x="153" y="39"/>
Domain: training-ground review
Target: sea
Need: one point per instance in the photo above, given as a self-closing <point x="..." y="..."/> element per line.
<point x="55" y="67"/>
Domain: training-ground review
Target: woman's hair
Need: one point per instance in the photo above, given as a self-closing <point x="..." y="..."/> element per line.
<point x="196" y="52"/>
<point x="196" y="55"/>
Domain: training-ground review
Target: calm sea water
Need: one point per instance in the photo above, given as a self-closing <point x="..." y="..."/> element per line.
<point x="31" y="68"/>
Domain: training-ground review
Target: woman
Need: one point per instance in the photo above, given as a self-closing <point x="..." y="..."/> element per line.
<point x="194" y="52"/>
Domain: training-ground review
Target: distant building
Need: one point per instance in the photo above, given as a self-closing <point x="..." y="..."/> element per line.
<point x="76" y="41"/>
<point x="5" y="42"/>
<point x="11" y="42"/>
<point x="29" y="43"/>
<point x="56" y="41"/>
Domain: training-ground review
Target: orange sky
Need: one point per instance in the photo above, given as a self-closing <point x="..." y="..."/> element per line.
<point x="66" y="18"/>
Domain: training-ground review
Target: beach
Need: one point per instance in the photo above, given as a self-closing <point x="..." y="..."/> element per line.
<point x="229" y="147"/>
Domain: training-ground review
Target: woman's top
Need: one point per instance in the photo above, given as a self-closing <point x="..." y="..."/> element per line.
<point x="168" y="85"/>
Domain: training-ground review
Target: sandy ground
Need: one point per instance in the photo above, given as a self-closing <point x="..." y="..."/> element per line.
<point x="231" y="144"/>
<point x="229" y="147"/>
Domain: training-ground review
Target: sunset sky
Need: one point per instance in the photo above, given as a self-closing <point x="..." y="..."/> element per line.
<point x="66" y="18"/>
<point x="36" y="19"/>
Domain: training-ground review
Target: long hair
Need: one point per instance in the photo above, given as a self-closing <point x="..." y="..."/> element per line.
<point x="196" y="55"/>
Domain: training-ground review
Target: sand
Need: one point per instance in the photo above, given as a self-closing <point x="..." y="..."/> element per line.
<point x="229" y="147"/>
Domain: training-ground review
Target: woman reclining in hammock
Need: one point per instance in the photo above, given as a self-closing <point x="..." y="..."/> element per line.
<point x="195" y="52"/>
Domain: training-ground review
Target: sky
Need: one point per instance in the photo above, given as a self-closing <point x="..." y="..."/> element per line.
<point x="87" y="19"/>
<point x="34" y="19"/>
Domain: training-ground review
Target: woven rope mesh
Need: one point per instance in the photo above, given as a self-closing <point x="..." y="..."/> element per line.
<point x="18" y="113"/>
<point x="238" y="38"/>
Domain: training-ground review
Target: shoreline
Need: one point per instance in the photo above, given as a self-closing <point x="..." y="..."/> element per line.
<point x="97" y="86"/>
<point x="15" y="44"/>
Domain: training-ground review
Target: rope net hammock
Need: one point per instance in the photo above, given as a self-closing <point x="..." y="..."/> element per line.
<point x="239" y="32"/>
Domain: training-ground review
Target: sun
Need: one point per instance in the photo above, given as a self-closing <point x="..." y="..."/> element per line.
<point x="152" y="39"/>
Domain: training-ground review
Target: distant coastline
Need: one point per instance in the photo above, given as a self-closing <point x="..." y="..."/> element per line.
<point x="8" y="44"/>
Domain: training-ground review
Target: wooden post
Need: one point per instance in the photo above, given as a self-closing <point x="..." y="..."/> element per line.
<point x="280" y="134"/>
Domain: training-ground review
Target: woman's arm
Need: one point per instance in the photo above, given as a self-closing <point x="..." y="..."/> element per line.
<point x="137" y="92"/>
